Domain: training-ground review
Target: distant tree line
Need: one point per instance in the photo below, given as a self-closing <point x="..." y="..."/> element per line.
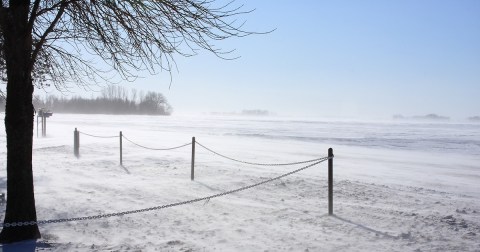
<point x="256" y="112"/>
<point x="112" y="100"/>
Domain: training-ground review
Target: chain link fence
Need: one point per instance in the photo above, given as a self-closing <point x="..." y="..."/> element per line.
<point x="310" y="163"/>
<point x="102" y="216"/>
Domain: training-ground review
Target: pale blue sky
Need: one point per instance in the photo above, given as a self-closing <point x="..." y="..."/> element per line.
<point x="339" y="58"/>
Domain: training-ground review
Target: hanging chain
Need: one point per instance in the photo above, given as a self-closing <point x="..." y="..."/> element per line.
<point x="261" y="164"/>
<point x="141" y="146"/>
<point x="96" y="136"/>
<point x="100" y="216"/>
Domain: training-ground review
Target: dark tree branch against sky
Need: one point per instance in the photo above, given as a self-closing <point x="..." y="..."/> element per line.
<point x="62" y="42"/>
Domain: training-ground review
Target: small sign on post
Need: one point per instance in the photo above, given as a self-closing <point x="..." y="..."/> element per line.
<point x="43" y="113"/>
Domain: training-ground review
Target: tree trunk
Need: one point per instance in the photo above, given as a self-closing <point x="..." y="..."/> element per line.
<point x="19" y="119"/>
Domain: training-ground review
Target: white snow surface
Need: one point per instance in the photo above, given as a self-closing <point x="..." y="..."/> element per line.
<point x="398" y="186"/>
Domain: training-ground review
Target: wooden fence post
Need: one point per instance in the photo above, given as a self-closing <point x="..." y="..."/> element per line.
<point x="121" y="159"/>
<point x="76" y="143"/>
<point x="330" y="181"/>
<point x="192" y="175"/>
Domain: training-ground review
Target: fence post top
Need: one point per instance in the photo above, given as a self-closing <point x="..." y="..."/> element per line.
<point x="330" y="152"/>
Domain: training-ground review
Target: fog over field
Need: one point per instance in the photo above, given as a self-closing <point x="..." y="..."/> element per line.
<point x="191" y="125"/>
<point x="398" y="185"/>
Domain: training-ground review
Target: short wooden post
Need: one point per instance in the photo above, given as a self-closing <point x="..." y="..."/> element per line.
<point x="192" y="175"/>
<point x="330" y="181"/>
<point x="121" y="159"/>
<point x="76" y="143"/>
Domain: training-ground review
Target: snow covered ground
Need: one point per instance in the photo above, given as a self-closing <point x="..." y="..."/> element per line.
<point x="399" y="186"/>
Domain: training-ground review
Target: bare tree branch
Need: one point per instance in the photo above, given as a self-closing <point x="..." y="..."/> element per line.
<point x="50" y="28"/>
<point x="129" y="36"/>
<point x="33" y="14"/>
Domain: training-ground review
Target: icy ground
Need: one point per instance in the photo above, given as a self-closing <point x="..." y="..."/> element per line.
<point x="386" y="197"/>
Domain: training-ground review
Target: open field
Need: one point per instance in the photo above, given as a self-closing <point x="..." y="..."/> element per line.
<point x="399" y="186"/>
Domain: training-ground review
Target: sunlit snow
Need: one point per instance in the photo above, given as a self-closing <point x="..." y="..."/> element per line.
<point x="399" y="186"/>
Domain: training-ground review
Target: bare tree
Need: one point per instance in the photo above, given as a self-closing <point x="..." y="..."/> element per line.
<point x="57" y="42"/>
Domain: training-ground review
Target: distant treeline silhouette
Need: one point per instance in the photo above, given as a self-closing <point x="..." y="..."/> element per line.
<point x="112" y="100"/>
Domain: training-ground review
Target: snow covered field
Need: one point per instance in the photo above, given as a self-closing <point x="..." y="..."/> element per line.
<point x="399" y="186"/>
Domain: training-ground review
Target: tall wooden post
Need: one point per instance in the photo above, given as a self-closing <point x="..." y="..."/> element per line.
<point x="121" y="159"/>
<point x="192" y="176"/>
<point x="330" y="181"/>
